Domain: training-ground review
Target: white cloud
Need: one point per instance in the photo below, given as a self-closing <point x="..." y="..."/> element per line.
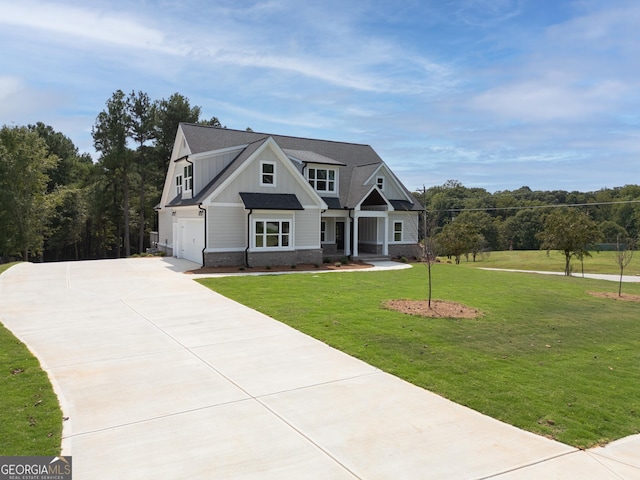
<point x="93" y="25"/>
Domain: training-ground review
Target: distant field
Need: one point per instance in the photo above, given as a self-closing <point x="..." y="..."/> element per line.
<point x="602" y="262"/>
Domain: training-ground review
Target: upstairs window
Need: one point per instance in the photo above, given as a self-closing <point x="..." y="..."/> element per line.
<point x="268" y="174"/>
<point x="188" y="177"/>
<point x="380" y="183"/>
<point x="178" y="184"/>
<point x="322" y="179"/>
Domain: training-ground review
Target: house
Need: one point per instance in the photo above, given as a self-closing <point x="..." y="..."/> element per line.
<point x="234" y="197"/>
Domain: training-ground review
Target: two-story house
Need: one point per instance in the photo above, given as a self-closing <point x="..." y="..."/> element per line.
<point x="243" y="198"/>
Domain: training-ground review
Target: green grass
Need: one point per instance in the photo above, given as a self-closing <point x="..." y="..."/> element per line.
<point x="599" y="262"/>
<point x="30" y="416"/>
<point x="545" y="356"/>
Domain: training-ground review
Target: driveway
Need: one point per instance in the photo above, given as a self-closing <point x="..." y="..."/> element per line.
<point x="163" y="378"/>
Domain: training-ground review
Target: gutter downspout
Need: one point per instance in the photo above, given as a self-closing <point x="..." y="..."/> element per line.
<point x="205" y="231"/>
<point x="246" y="250"/>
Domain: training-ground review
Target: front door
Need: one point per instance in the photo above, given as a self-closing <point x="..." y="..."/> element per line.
<point x="340" y="235"/>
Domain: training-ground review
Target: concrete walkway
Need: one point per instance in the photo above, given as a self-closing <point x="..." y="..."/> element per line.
<point x="594" y="276"/>
<point x="163" y="378"/>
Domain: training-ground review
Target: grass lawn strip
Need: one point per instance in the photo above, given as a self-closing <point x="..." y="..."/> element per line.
<point x="545" y="355"/>
<point x="30" y="416"/>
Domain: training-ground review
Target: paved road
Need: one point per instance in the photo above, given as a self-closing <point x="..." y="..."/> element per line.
<point x="162" y="378"/>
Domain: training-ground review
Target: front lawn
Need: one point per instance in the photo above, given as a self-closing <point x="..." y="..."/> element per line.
<point x="30" y="416"/>
<point x="544" y="356"/>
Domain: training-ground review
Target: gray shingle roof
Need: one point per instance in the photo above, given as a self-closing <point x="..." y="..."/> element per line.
<point x="357" y="161"/>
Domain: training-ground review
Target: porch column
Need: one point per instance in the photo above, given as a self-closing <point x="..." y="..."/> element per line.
<point x="385" y="240"/>
<point x="355" y="234"/>
<point x="347" y="236"/>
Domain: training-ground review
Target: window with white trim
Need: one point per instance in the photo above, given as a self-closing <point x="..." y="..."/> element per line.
<point x="267" y="174"/>
<point x="272" y="233"/>
<point x="322" y="179"/>
<point x="323" y="231"/>
<point x="380" y="183"/>
<point x="397" y="231"/>
<point x="188" y="177"/>
<point x="178" y="184"/>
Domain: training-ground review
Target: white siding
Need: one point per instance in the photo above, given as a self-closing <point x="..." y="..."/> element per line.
<point x="307" y="229"/>
<point x="165" y="228"/>
<point x="249" y="181"/>
<point x="207" y="168"/>
<point x="227" y="228"/>
<point x="409" y="227"/>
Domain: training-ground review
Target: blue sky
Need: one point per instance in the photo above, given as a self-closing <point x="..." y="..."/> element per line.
<point x="494" y="93"/>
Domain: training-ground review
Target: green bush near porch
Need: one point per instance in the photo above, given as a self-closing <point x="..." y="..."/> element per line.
<point x="545" y="356"/>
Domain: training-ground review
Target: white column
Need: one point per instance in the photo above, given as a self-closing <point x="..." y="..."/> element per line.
<point x="385" y="241"/>
<point x="355" y="233"/>
<point x="347" y="236"/>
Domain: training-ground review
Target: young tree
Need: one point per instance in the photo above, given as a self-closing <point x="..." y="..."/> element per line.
<point x="570" y="231"/>
<point x="427" y="247"/>
<point x="24" y="161"/>
<point x="624" y="254"/>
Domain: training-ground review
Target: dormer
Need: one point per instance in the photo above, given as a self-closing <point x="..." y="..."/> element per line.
<point x="322" y="173"/>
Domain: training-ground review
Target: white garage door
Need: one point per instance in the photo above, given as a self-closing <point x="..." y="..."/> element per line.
<point x="191" y="239"/>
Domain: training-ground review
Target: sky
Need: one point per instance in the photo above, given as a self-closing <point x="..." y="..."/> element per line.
<point x="497" y="94"/>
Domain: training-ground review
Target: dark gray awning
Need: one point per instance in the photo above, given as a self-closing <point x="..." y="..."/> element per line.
<point x="271" y="201"/>
<point x="332" y="202"/>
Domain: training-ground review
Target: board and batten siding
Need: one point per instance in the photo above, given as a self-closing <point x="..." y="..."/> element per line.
<point x="209" y="167"/>
<point x="249" y="181"/>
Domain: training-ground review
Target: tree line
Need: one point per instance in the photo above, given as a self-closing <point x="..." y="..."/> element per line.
<point x="58" y="204"/>
<point x="465" y="221"/>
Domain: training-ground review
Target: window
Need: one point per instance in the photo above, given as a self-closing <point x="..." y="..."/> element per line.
<point x="178" y="184"/>
<point x="322" y="179"/>
<point x="397" y="231"/>
<point x="268" y="174"/>
<point x="380" y="182"/>
<point x="188" y="177"/>
<point x="323" y="231"/>
<point x="272" y="234"/>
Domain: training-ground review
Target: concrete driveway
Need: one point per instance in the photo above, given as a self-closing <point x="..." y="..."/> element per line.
<point x="163" y="378"/>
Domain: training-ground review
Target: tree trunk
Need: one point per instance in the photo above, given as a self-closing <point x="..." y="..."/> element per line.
<point x="429" y="268"/>
<point x="141" y="233"/>
<point x="127" y="243"/>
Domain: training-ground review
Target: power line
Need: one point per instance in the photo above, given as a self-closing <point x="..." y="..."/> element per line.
<point x="484" y="209"/>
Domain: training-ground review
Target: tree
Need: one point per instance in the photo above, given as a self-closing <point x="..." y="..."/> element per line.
<point x="570" y="231"/>
<point x="24" y="161"/>
<point x="427" y="247"/>
<point x="624" y="254"/>
<point x="458" y="238"/>
<point x="110" y="134"/>
<point x="519" y="231"/>
<point x="143" y="120"/>
<point x="170" y="113"/>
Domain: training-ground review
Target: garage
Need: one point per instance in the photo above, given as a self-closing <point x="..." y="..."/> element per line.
<point x="190" y="239"/>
